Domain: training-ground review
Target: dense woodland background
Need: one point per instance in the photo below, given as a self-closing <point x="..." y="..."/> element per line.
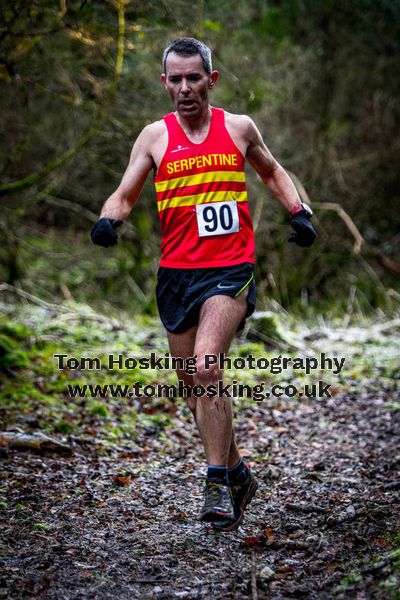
<point x="79" y="80"/>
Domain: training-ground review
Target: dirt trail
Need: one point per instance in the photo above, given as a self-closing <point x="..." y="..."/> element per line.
<point x="323" y="524"/>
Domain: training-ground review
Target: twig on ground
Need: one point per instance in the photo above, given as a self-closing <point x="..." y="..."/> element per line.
<point x="254" y="593"/>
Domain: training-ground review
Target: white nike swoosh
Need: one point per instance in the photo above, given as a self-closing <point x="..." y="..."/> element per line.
<point x="225" y="287"/>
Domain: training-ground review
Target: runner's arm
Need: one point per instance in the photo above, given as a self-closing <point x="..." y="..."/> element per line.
<point x="282" y="187"/>
<point x="120" y="203"/>
<point x="271" y="172"/>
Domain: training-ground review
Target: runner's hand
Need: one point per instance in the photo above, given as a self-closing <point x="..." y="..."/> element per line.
<point x="103" y="232"/>
<point x="305" y="232"/>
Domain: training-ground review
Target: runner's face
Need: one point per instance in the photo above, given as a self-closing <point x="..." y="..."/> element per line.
<point x="187" y="83"/>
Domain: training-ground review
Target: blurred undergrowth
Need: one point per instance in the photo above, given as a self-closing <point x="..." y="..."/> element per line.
<point x="34" y="393"/>
<point x="63" y="264"/>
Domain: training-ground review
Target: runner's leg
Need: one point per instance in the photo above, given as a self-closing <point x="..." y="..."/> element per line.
<point x="219" y="318"/>
<point x="182" y="345"/>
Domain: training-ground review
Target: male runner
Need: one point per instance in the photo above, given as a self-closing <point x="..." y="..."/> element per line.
<point x="206" y="284"/>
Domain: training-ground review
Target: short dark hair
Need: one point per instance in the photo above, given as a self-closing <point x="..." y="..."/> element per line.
<point x="188" y="46"/>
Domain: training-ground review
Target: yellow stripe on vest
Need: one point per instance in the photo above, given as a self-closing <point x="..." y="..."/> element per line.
<point x="201" y="199"/>
<point x="171" y="184"/>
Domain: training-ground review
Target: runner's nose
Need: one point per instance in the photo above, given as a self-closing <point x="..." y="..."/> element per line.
<point x="185" y="87"/>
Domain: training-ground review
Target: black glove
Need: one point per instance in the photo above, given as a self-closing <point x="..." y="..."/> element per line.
<point x="305" y="232"/>
<point x="103" y="232"/>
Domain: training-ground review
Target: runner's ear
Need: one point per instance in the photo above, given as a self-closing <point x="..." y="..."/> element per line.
<point x="213" y="79"/>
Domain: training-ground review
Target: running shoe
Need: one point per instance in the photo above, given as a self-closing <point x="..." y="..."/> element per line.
<point x="218" y="504"/>
<point x="242" y="495"/>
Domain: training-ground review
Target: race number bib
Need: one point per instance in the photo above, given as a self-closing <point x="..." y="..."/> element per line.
<point x="217" y="218"/>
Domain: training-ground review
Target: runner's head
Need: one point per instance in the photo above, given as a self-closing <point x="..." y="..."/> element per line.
<point x="188" y="47"/>
<point x="188" y="76"/>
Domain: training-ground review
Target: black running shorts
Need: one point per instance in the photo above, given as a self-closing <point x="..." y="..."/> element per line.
<point x="181" y="292"/>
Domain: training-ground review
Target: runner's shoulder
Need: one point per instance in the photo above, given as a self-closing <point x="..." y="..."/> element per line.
<point x="243" y="125"/>
<point x="151" y="137"/>
<point x="153" y="131"/>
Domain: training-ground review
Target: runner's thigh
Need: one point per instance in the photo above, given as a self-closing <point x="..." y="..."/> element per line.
<point x="182" y="345"/>
<point x="219" y="319"/>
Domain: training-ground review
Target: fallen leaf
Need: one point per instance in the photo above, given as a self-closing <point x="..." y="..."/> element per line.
<point x="122" y="480"/>
<point x="250" y="541"/>
<point x="286" y="570"/>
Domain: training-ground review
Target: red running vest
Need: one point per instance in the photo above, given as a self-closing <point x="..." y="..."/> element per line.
<point x="202" y="199"/>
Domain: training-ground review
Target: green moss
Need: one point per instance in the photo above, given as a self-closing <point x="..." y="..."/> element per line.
<point x="15" y="330"/>
<point x="247" y="349"/>
<point x="268" y="324"/>
<point x="41" y="527"/>
<point x="391" y="586"/>
<point x="64" y="426"/>
<point x="130" y="419"/>
<point x="160" y="421"/>
<point x="99" y="409"/>
<point x="394" y="557"/>
<point x="11" y="356"/>
<point x="351" y="579"/>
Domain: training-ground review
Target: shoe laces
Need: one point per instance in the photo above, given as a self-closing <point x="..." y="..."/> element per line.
<point x="215" y="490"/>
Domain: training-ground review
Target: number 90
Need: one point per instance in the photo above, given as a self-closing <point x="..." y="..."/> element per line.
<point x="222" y="217"/>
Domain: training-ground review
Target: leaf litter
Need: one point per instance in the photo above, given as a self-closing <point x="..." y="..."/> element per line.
<point x="118" y="516"/>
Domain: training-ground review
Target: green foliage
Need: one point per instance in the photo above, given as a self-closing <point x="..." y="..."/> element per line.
<point x="319" y="79"/>
<point x="250" y="348"/>
<point x="41" y="527"/>
<point x="352" y="578"/>
<point x="211" y="25"/>
<point x="98" y="408"/>
<point x="63" y="426"/>
<point x="11" y="356"/>
<point x="158" y="421"/>
<point x="272" y="25"/>
<point x="269" y="325"/>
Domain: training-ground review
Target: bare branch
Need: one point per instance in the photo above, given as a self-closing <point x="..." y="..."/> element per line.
<point x="359" y="240"/>
<point x="254" y="592"/>
<point x="5" y="287"/>
<point x="73" y="206"/>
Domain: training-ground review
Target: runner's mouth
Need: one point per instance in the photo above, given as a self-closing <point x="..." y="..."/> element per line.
<point x="188" y="103"/>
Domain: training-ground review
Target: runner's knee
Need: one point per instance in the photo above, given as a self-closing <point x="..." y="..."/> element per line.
<point x="206" y="373"/>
